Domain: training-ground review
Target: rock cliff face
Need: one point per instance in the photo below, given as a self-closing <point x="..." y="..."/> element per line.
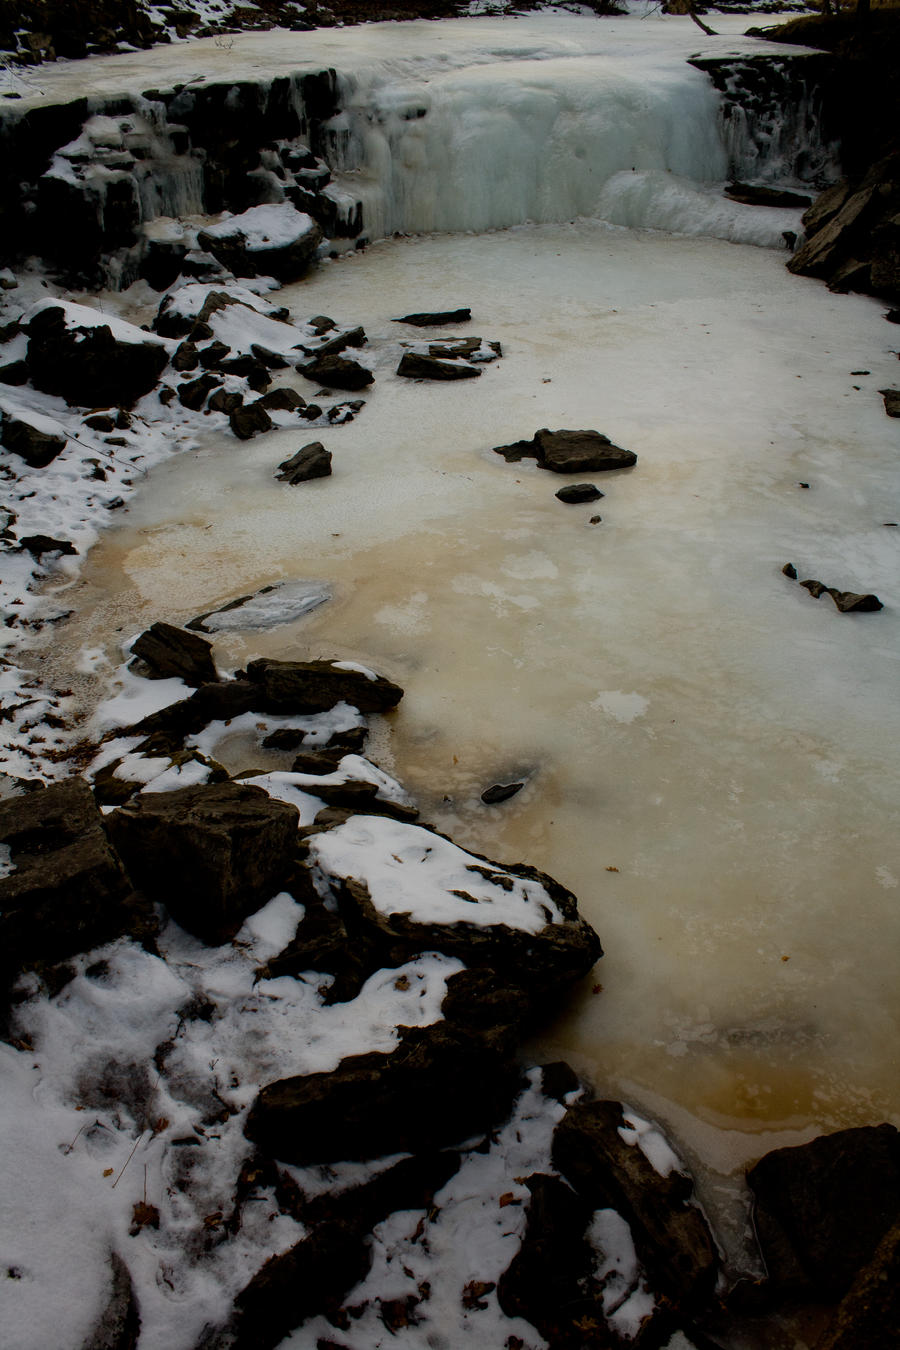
<point x="129" y="161"/>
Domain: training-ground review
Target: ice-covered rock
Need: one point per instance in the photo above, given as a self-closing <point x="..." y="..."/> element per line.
<point x="272" y="240"/>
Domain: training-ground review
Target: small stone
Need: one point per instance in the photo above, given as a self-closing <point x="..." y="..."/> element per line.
<point x="500" y="792"/>
<point x="790" y="570"/>
<point x="249" y="419"/>
<point x="579" y="492"/>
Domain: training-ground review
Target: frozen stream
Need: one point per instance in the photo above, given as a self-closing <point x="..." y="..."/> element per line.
<point x="711" y="753"/>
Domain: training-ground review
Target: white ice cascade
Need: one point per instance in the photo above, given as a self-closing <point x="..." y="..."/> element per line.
<point x="546" y="140"/>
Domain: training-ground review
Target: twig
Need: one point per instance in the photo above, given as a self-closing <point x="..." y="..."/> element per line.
<point x="128" y="1159"/>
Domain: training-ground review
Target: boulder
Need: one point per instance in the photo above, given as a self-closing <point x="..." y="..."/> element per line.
<point x="282" y="400"/>
<point x="212" y="854"/>
<point x="516" y="920"/>
<point x="821" y="1209"/>
<point x="550" y="1280"/>
<point x="439" y="1087"/>
<point x="891" y="401"/>
<point x="248" y="368"/>
<point x="35" y="439"/>
<point x="436" y="318"/>
<point x="210" y="356"/>
<point x="91" y="359"/>
<point x="337" y="372"/>
<point x="331" y="344"/>
<point x="312" y="461"/>
<point x="847" y="602"/>
<point x="248" y="419"/>
<point x="67" y="890"/>
<point x="274" y="240"/>
<point x="164" y="652"/>
<point x="576" y="493"/>
<point x="224" y="402"/>
<point x="194" y="393"/>
<point x="670" y="1233"/>
<point x="316" y="686"/>
<point x="869" y="1314"/>
<point x="569" y="452"/>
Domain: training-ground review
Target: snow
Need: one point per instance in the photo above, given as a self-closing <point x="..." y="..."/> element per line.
<point x="652" y="1143"/>
<point x="626" y="1299"/>
<point x="120" y="1063"/>
<point x="471" y="1234"/>
<point x="85" y="316"/>
<point x="355" y="666"/>
<point x="265" y="227"/>
<point x="409" y="870"/>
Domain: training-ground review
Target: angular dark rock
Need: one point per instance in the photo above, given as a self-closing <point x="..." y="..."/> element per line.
<point x="576" y="493"/>
<point x="211" y="356"/>
<point x="336" y="343"/>
<point x="312" y="461"/>
<point x="166" y="652"/>
<point x="209" y="703"/>
<point x="249" y="419"/>
<point x="39" y="544"/>
<point x="869" y="1314"/>
<point x="434" y="318"/>
<point x="549" y="1281"/>
<point x="852" y="602"/>
<point x="315" y="686"/>
<point x="248" y="368"/>
<point x="276" y="241"/>
<point x="37" y="448"/>
<point x="569" y="452"/>
<point x="15" y="373"/>
<point x="86" y="364"/>
<point x="194" y="393"/>
<point x="439" y="1087"/>
<point x="186" y="357"/>
<point x="270" y="359"/>
<point x="282" y="400"/>
<point x="500" y="792"/>
<point x="68" y="890"/>
<point x="224" y="402"/>
<point x="752" y="194"/>
<point x="337" y="372"/>
<point x="670" y="1234"/>
<point x="821" y="1209"/>
<point x="790" y="570"/>
<point x="541" y="964"/>
<point x="212" y="854"/>
<point x="419" y="366"/>
<point x="891" y="401"/>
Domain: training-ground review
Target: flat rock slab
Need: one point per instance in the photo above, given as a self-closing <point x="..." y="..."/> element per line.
<point x="212" y="854"/>
<point x="311" y="461"/>
<point x="823" y="1208"/>
<point x="282" y="602"/>
<point x="164" y="652"/>
<point x="67" y="889"/>
<point x="315" y="686"/>
<point x="436" y="318"/>
<point x="420" y="366"/>
<point x="569" y="452"/>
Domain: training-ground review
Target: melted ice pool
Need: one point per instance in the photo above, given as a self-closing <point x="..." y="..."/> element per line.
<point x="710" y="753"/>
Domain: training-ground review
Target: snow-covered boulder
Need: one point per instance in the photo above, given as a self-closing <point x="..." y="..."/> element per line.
<point x="90" y="358"/>
<point x="274" y="240"/>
